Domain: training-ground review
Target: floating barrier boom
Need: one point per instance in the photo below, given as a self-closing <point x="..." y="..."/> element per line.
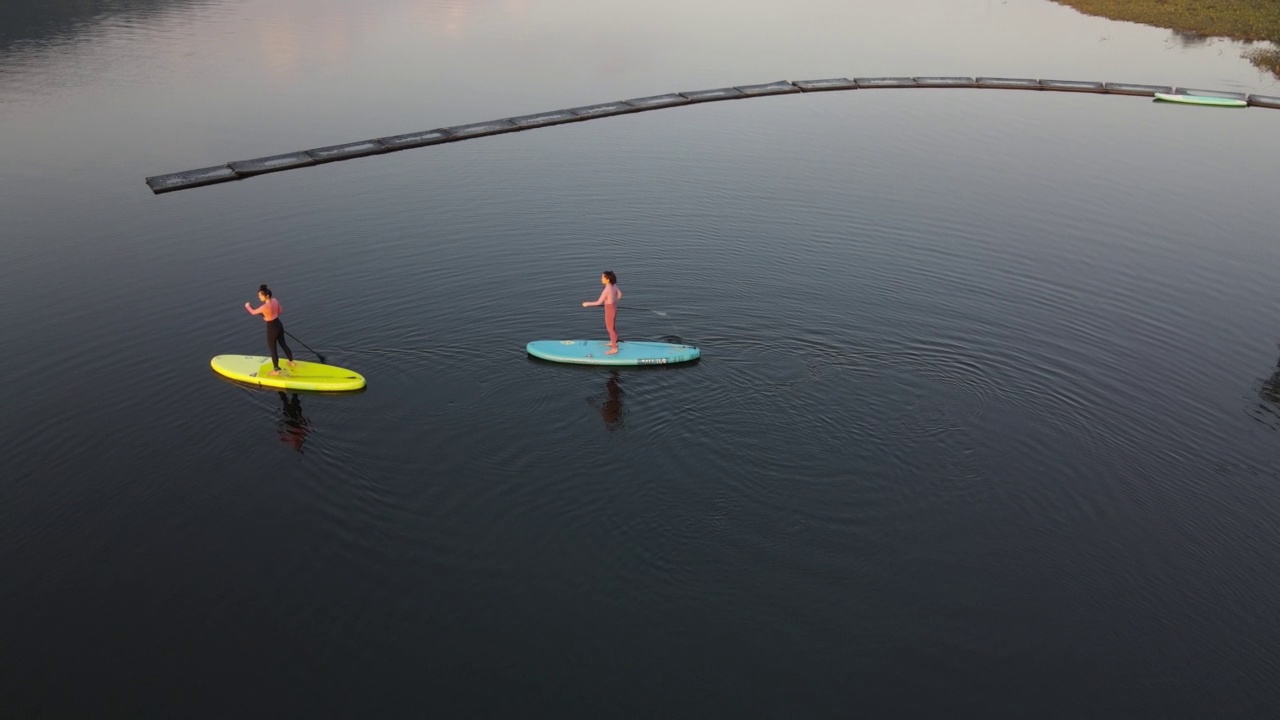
<point x="363" y="148"/>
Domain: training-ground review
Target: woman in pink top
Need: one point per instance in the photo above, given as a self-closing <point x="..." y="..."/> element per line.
<point x="270" y="311"/>
<point x="609" y="298"/>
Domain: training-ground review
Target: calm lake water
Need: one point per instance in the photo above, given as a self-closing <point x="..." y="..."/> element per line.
<point x="987" y="420"/>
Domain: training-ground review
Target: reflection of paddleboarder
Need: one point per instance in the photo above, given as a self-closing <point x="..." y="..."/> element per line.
<point x="270" y="311"/>
<point x="293" y="427"/>
<point x="609" y="298"/>
<point x="1268" y="411"/>
<point x="611" y="408"/>
<point x="1270" y="389"/>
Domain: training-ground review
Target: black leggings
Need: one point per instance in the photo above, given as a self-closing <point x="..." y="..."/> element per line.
<point x="275" y="333"/>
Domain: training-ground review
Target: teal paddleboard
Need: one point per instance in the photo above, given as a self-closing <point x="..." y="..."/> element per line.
<point x="595" y="352"/>
<point x="1200" y="100"/>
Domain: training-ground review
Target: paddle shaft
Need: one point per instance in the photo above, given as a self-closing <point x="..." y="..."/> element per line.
<point x="659" y="313"/>
<point x="632" y="307"/>
<point x="313" y="352"/>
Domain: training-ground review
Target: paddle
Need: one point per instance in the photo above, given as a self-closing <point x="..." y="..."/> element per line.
<point x="655" y="312"/>
<point x="313" y="352"/>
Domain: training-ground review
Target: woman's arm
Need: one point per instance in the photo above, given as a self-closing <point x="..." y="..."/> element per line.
<point x="271" y="304"/>
<point x="599" y="301"/>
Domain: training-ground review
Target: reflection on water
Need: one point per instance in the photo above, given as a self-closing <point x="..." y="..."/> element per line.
<point x="1268" y="411"/>
<point x="1185" y="39"/>
<point x="293" y="427"/>
<point x="610" y="405"/>
<point x="45" y="23"/>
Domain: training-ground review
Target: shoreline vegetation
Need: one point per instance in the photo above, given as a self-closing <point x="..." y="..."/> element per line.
<point x="1245" y="20"/>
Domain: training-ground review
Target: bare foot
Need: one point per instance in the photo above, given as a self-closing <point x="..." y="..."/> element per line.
<point x="292" y="364"/>
<point x="275" y="372"/>
<point x="611" y="351"/>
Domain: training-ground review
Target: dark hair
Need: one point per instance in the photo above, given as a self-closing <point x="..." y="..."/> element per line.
<point x="610" y="276"/>
<point x="264" y="290"/>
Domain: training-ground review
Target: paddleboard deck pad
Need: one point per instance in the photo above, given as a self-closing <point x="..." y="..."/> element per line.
<point x="594" y="352"/>
<point x="1200" y="100"/>
<point x="256" y="370"/>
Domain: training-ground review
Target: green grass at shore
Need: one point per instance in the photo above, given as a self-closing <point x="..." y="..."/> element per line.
<point x="1250" y="20"/>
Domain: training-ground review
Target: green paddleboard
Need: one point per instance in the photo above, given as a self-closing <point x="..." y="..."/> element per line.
<point x="1200" y="100"/>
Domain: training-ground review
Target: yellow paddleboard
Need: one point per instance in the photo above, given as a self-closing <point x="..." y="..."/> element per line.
<point x="256" y="370"/>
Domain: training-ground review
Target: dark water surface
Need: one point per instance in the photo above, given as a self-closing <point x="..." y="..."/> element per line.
<point x="988" y="418"/>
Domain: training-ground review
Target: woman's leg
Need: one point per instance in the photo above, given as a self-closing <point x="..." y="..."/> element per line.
<point x="273" y="333"/>
<point x="287" y="352"/>
<point x="610" y="318"/>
